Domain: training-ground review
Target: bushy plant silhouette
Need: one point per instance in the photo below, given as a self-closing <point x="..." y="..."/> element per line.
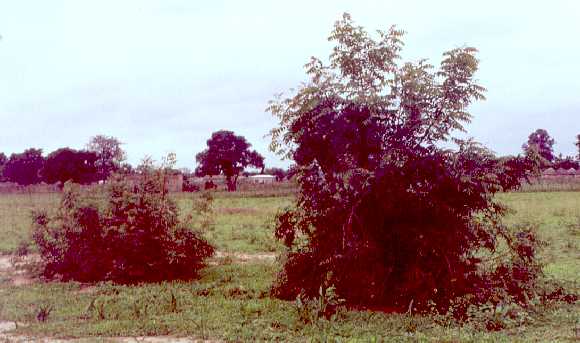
<point x="393" y="216"/>
<point x="131" y="233"/>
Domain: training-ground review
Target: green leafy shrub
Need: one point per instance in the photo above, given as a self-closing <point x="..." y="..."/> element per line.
<point x="394" y="217"/>
<point x="131" y="233"/>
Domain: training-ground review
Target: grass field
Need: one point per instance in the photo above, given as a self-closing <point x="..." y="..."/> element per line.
<point x="230" y="301"/>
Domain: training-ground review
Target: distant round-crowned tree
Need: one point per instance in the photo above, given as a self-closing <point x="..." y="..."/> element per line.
<point x="67" y="164"/>
<point x="228" y="154"/>
<point x="110" y="155"/>
<point x="24" y="168"/>
<point x="541" y="143"/>
<point x="385" y="213"/>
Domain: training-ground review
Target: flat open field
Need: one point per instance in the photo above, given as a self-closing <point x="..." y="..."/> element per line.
<point x="230" y="301"/>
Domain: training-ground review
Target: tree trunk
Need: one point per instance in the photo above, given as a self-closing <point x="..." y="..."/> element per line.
<point x="231" y="183"/>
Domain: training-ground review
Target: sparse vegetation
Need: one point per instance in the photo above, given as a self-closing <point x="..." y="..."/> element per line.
<point x="230" y="300"/>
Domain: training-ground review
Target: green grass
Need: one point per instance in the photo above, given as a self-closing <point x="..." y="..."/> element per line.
<point x="557" y="215"/>
<point x="242" y="223"/>
<point x="15" y="216"/>
<point x="230" y="300"/>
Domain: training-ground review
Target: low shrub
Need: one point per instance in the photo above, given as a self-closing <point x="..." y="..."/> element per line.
<point x="131" y="233"/>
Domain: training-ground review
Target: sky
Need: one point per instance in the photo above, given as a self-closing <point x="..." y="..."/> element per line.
<point x="162" y="75"/>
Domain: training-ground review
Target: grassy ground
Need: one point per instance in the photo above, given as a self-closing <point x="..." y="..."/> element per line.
<point x="230" y="301"/>
<point x="243" y="223"/>
<point x="15" y="219"/>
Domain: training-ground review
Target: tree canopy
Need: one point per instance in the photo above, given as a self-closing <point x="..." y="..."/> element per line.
<point x="67" y="164"/>
<point x="578" y="145"/>
<point x="227" y="154"/>
<point x="110" y="155"/>
<point x="541" y="143"/>
<point x="3" y="160"/>
<point x="24" y="168"/>
<point x="389" y="216"/>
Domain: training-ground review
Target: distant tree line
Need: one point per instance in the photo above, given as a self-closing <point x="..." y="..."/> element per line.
<point x="227" y="154"/>
<point x="102" y="157"/>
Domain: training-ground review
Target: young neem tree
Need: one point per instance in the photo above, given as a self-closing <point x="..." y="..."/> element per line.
<point x="228" y="154"/>
<point x="389" y="216"/>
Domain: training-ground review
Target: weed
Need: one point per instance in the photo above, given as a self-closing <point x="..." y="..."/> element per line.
<point x="101" y="310"/>
<point x="173" y="303"/>
<point x="23" y="248"/>
<point x="310" y="310"/>
<point x="43" y="312"/>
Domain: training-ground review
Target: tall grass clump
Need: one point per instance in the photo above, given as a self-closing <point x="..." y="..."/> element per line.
<point x="130" y="233"/>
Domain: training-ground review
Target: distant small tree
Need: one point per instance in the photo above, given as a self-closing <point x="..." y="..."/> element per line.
<point x="67" y="164"/>
<point x="3" y="160"/>
<point x="578" y="145"/>
<point x="228" y="154"/>
<point x="24" y="168"/>
<point x="110" y="155"/>
<point x="566" y="162"/>
<point x="126" y="169"/>
<point x="540" y="142"/>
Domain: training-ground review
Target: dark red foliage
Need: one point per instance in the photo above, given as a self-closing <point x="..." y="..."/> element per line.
<point x="134" y="235"/>
<point x="390" y="217"/>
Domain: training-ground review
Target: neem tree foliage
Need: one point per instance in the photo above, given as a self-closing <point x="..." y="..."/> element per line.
<point x="384" y="213"/>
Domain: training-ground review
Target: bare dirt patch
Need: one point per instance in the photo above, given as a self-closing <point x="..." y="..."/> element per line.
<point x="14" y="269"/>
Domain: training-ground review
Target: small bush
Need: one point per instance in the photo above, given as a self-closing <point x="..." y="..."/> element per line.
<point x="132" y="233"/>
<point x="189" y="185"/>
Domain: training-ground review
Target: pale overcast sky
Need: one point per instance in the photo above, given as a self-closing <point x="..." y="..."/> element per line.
<point x="162" y="75"/>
